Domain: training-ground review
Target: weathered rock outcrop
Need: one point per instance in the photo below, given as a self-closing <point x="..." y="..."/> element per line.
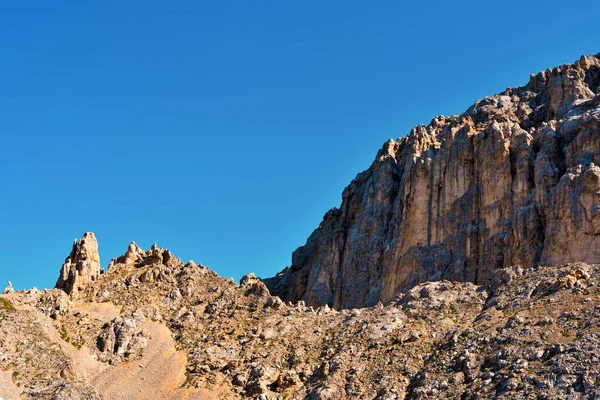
<point x="82" y="266"/>
<point x="9" y="288"/>
<point x="122" y="340"/>
<point x="512" y="181"/>
<point x="138" y="257"/>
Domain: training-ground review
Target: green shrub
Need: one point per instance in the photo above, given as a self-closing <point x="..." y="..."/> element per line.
<point x="7" y="304"/>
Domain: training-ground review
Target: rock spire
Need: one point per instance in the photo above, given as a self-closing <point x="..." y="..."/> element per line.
<point x="82" y="266"/>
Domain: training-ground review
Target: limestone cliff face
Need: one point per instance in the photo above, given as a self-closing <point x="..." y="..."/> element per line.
<point x="515" y="180"/>
<point x="82" y="266"/>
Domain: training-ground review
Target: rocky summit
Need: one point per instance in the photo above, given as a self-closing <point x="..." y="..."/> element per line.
<point x="82" y="266"/>
<point x="514" y="180"/>
<point x="463" y="264"/>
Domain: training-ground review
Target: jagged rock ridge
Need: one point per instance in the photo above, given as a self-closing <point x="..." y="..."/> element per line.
<point x="512" y="181"/>
<point x="153" y="327"/>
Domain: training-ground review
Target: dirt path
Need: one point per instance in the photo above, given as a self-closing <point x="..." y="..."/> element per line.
<point x="102" y="311"/>
<point x="8" y="390"/>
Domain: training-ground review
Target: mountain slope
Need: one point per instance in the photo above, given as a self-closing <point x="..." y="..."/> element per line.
<point x="154" y="327"/>
<point x="512" y="181"/>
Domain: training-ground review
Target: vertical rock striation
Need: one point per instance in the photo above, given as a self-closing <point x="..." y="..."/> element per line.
<point x="82" y="266"/>
<point x="515" y="180"/>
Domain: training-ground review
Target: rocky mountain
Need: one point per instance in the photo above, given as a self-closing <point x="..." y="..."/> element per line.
<point x="514" y="180"/>
<point x="463" y="264"/>
<point x="153" y="327"/>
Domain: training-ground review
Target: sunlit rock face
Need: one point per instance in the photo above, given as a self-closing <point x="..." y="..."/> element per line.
<point x="82" y="266"/>
<point x="512" y="181"/>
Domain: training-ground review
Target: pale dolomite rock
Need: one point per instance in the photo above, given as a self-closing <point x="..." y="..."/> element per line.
<point x="249" y="279"/>
<point x="9" y="288"/>
<point x="512" y="181"/>
<point x="82" y="266"/>
<point x="133" y="255"/>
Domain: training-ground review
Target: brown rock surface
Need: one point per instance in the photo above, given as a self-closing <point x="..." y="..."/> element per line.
<point x="512" y="181"/>
<point x="160" y="328"/>
<point x="82" y="266"/>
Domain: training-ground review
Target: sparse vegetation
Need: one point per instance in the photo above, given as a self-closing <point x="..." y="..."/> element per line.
<point x="7" y="305"/>
<point x="188" y="380"/>
<point x="63" y="333"/>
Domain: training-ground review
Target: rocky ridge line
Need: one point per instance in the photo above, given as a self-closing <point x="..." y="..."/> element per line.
<point x="515" y="180"/>
<point x="152" y="326"/>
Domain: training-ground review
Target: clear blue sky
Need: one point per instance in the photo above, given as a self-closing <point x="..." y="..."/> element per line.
<point x="225" y="130"/>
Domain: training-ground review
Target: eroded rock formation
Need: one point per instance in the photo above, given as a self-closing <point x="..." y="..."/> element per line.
<point x="122" y="340"/>
<point x="82" y="266"/>
<point x="9" y="288"/>
<point x="512" y="181"/>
